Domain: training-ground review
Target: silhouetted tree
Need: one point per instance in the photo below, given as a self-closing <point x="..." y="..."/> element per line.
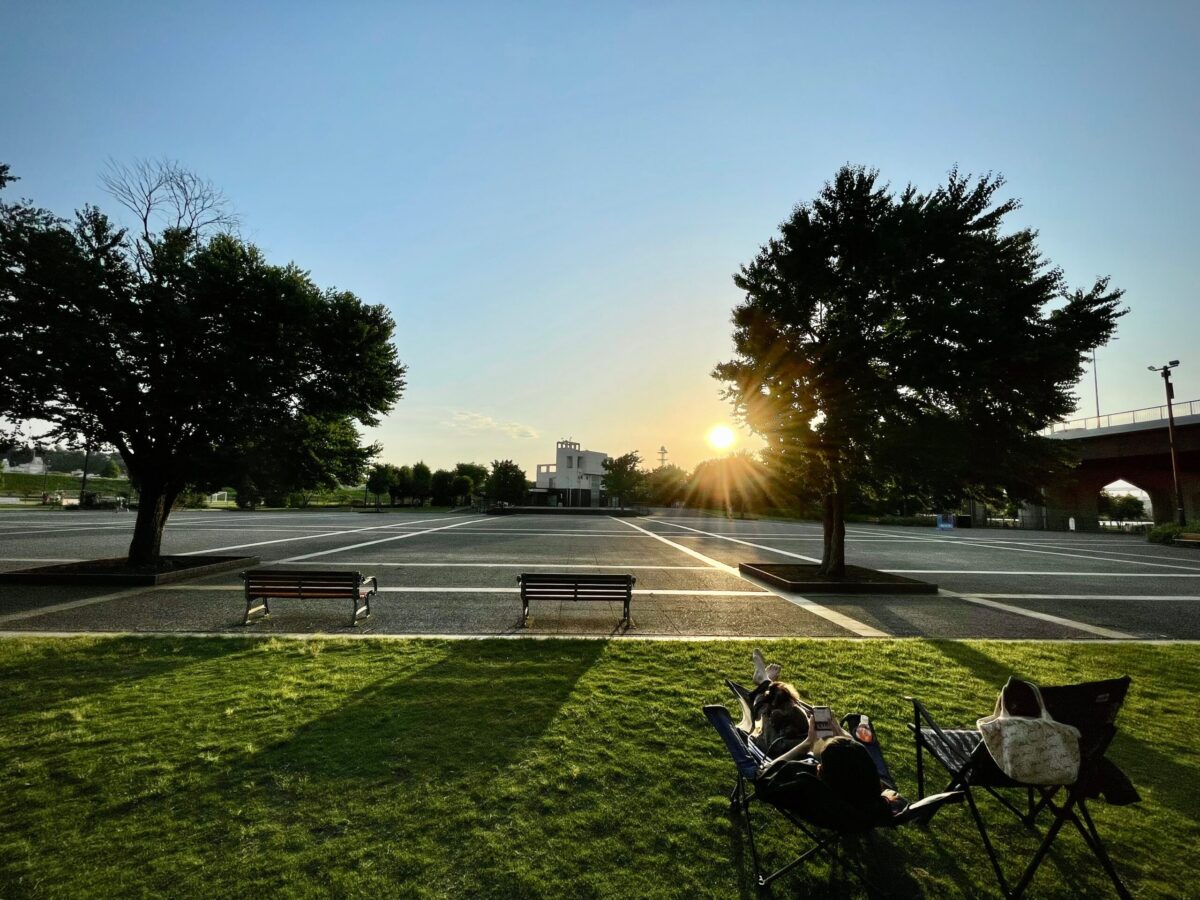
<point x="477" y="472"/>
<point x="506" y="483"/>
<point x="462" y="487"/>
<point x="624" y="479"/>
<point x="401" y="486"/>
<point x="666" y="485"/>
<point x="441" y="488"/>
<point x="183" y="344"/>
<point x="1121" y="507"/>
<point x="889" y="337"/>
<point x="737" y="483"/>
<point x="379" y="480"/>
<point x="422" y="483"/>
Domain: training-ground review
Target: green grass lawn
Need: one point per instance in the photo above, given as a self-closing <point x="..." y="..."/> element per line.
<point x="193" y="767"/>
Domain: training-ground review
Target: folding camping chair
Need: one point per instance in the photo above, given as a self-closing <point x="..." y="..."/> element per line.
<point x="1091" y="707"/>
<point x="816" y="811"/>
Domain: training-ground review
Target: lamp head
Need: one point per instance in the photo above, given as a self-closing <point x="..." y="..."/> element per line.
<point x="1173" y="362"/>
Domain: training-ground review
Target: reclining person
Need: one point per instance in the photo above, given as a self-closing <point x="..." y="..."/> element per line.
<point x="785" y="730"/>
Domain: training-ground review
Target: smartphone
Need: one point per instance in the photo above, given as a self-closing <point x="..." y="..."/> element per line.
<point x="823" y="721"/>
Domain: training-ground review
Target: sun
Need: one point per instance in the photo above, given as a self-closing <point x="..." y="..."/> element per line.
<point x="721" y="437"/>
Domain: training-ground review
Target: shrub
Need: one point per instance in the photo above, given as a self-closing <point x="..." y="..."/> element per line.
<point x="1164" y="534"/>
<point x="926" y="521"/>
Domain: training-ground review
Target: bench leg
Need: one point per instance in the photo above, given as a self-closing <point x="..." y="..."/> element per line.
<point x="251" y="608"/>
<point x="626" y="620"/>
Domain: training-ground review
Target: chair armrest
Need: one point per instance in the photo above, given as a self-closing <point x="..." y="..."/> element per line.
<point x="921" y="713"/>
<point x="934" y="800"/>
<point x="373" y="580"/>
<point x="923" y="810"/>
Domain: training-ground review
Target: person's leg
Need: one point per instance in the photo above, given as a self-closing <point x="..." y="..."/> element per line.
<point x="762" y="671"/>
<point x="867" y="738"/>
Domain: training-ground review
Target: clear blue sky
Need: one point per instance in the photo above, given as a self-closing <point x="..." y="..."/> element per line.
<point x="551" y="198"/>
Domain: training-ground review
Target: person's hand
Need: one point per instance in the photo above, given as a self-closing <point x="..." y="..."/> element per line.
<point x="838" y="730"/>
<point x="812" y="723"/>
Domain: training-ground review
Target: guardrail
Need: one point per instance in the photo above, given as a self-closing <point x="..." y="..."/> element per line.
<point x="1129" y="417"/>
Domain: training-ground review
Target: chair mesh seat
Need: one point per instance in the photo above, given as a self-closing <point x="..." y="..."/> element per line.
<point x="956" y="749"/>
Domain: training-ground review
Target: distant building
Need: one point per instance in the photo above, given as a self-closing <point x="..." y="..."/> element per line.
<point x="36" y="466"/>
<point x="575" y="478"/>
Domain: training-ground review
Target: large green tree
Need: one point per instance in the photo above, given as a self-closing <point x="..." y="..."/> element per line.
<point x="666" y="485"/>
<point x="624" y="479"/>
<point x="177" y="343"/>
<point x="506" y="483"/>
<point x="441" y="488"/>
<point x="904" y="339"/>
<point x="300" y="454"/>
<point x="422" y="483"/>
<point x="477" y="472"/>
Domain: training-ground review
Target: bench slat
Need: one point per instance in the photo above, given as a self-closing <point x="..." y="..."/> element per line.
<point x="264" y="584"/>
<point x="577" y="586"/>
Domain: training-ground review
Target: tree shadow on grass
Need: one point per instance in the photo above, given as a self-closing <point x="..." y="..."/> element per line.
<point x="45" y="673"/>
<point x="478" y="703"/>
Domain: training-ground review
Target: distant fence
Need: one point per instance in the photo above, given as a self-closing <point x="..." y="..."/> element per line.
<point x="1129" y="417"/>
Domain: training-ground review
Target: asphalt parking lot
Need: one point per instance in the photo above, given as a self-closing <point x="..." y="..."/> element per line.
<point x="455" y="574"/>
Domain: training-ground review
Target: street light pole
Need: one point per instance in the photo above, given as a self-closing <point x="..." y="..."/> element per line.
<point x="1165" y="371"/>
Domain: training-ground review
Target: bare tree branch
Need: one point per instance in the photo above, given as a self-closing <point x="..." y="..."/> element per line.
<point x="162" y="194"/>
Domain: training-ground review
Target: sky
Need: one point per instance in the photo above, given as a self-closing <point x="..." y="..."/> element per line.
<point x="552" y="198"/>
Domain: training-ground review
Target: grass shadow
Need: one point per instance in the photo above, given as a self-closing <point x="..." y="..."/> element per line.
<point x="449" y="716"/>
<point x="38" y="674"/>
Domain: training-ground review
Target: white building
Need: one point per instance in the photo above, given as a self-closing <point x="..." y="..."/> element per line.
<point x="36" y="466"/>
<point x="575" y="478"/>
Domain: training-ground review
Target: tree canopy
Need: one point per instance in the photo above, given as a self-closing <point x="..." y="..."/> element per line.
<point x="506" y="483"/>
<point x="181" y="347"/>
<point x="441" y="488"/>
<point x="624" y="479"/>
<point x="903" y="340"/>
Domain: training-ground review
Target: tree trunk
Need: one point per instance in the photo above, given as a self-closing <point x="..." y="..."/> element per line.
<point x="154" y="505"/>
<point x="833" y="558"/>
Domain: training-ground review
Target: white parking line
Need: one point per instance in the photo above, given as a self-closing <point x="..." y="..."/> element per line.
<point x="449" y="589"/>
<point x="996" y="545"/>
<point x="734" y="540"/>
<point x="1138" y="597"/>
<point x="1040" y="574"/>
<point x="853" y="625"/>
<point x="1033" y="614"/>
<point x="37" y="559"/>
<point x="306" y="537"/>
<point x="75" y="604"/>
<point x="397" y="537"/>
<point x="496" y="565"/>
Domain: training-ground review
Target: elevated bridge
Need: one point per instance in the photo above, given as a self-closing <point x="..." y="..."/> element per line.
<point x="1127" y="446"/>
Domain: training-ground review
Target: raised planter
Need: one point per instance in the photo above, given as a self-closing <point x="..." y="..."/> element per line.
<point x="564" y="511"/>
<point x="116" y="572"/>
<point x="804" y="578"/>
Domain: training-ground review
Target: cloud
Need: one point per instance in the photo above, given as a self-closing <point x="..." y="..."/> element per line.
<point x="478" y="422"/>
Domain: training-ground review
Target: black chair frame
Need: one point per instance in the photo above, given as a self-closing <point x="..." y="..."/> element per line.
<point x="974" y="768"/>
<point x="827" y="841"/>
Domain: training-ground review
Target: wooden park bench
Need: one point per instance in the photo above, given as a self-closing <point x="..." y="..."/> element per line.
<point x="547" y="586"/>
<point x="264" y="584"/>
<point x="1188" y="540"/>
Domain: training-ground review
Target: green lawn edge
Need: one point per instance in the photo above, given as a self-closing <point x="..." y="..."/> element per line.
<point x="583" y="768"/>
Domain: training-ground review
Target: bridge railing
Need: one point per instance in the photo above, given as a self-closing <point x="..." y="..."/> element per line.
<point x="1129" y="417"/>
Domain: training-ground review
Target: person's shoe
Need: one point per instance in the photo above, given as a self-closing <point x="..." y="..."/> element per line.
<point x="762" y="671"/>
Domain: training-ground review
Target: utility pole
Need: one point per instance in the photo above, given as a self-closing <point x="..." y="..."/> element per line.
<point x="1165" y="371"/>
<point x="1096" y="382"/>
<point x="662" y="456"/>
